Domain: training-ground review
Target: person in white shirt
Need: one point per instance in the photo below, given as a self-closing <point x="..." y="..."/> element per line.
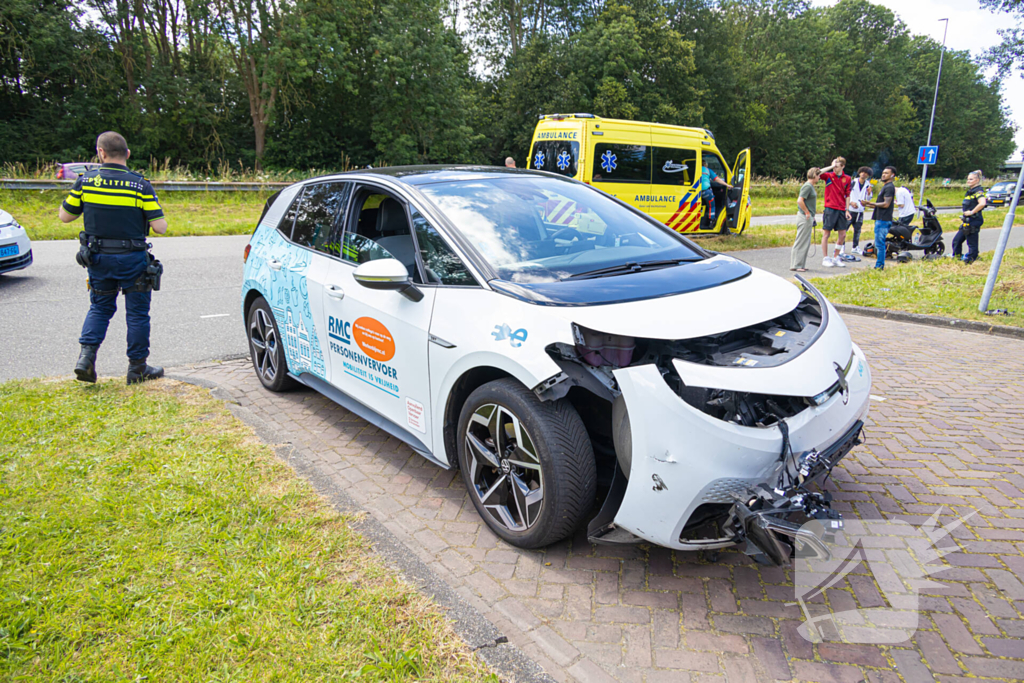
<point x="904" y="205"/>
<point x="860" y="191"/>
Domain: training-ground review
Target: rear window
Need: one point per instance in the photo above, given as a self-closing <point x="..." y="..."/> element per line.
<point x="556" y="156"/>
<point x="316" y="213"/>
<point x="622" y="163"/>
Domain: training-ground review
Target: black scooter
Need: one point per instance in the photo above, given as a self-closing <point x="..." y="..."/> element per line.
<point x="901" y="239"/>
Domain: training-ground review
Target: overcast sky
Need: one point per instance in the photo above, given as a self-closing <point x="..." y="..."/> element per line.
<point x="970" y="28"/>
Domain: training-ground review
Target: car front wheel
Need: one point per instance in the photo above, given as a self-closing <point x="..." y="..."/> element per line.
<point x="266" y="349"/>
<point x="528" y="464"/>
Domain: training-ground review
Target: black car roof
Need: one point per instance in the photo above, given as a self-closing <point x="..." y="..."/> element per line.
<point x="422" y="175"/>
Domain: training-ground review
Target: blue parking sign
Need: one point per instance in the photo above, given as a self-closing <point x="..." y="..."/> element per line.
<point x="927" y="155"/>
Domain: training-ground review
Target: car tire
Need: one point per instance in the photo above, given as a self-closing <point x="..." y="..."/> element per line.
<point x="528" y="464"/>
<point x="266" y="349"/>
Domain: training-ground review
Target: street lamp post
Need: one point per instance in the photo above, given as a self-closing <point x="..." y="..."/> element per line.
<point x="931" y="124"/>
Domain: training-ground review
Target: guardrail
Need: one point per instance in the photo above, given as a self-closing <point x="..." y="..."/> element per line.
<point x="159" y="185"/>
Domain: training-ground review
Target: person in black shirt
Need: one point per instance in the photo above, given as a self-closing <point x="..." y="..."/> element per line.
<point x="882" y="214"/>
<point x="973" y="219"/>
<point x="118" y="208"/>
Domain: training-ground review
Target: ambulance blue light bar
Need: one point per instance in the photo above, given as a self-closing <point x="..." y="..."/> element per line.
<point x="559" y="117"/>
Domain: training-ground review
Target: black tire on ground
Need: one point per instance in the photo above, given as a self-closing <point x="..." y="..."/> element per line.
<point x="266" y="349"/>
<point x="510" y="441"/>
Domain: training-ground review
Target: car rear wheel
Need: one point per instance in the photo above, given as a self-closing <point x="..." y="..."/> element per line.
<point x="265" y="348"/>
<point x="528" y="464"/>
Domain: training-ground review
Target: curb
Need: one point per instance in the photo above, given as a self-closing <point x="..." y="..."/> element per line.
<point x="480" y="635"/>
<point x="934" y="321"/>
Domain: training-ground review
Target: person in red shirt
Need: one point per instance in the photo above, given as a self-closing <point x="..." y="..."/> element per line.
<point x="836" y="215"/>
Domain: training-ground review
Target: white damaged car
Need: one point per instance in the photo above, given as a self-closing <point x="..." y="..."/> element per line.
<point x="579" y="362"/>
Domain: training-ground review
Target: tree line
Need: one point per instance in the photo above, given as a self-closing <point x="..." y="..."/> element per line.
<point x="334" y="83"/>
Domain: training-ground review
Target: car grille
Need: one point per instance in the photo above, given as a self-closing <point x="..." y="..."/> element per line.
<point x="19" y="261"/>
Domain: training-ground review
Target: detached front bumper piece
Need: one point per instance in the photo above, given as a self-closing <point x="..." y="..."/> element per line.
<point x="772" y="521"/>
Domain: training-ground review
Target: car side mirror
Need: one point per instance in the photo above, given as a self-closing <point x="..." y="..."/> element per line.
<point x="387" y="273"/>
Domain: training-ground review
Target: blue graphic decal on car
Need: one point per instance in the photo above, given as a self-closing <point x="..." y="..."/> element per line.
<point x="563" y="160"/>
<point x="516" y="338"/>
<point x="538" y="160"/>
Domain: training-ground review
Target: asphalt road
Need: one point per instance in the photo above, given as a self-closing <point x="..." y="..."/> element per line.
<point x="196" y="314"/>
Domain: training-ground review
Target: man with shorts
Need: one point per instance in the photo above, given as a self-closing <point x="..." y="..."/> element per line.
<point x="860" y="191"/>
<point x="835" y="216"/>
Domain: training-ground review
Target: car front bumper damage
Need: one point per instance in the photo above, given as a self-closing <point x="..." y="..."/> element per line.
<point x="699" y="482"/>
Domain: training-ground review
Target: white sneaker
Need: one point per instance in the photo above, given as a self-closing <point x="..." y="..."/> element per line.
<point x="838" y="261"/>
<point x="827" y="262"/>
<point x="858" y="250"/>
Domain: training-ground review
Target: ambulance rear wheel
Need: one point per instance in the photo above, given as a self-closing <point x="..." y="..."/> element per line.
<point x="266" y="348"/>
<point x="528" y="464"/>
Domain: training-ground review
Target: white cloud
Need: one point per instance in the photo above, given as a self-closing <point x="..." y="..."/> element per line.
<point x="970" y="28"/>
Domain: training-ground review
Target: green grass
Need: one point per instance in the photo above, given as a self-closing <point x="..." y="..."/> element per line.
<point x="942" y="287"/>
<point x="188" y="213"/>
<point x="146" y="535"/>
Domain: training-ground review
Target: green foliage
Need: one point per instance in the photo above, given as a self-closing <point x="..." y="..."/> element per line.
<point x="341" y="83"/>
<point x="1008" y="55"/>
<point x="145" y="535"/>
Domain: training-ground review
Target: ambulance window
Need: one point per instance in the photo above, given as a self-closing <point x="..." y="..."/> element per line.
<point x="674" y="166"/>
<point x="715" y="164"/>
<point x="556" y="156"/>
<point x="441" y="263"/>
<point x="316" y="215"/>
<point x="285" y="226"/>
<point x="622" y="163"/>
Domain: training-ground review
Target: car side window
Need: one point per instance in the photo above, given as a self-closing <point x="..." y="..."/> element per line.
<point x="379" y="228"/>
<point x="715" y="164"/>
<point x="441" y="263"/>
<point x="621" y="163"/>
<point x="288" y="220"/>
<point x="316" y="214"/>
<point x="674" y="166"/>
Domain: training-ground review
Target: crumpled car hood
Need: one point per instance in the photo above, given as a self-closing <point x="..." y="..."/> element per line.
<point x="753" y="299"/>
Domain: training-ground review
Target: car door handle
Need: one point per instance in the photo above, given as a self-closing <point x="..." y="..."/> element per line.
<point x="335" y="292"/>
<point x="274" y="264"/>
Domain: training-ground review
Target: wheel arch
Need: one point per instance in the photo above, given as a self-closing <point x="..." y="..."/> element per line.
<point x="468" y="382"/>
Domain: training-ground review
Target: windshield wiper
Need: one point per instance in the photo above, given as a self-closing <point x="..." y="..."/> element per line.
<point x="629" y="267"/>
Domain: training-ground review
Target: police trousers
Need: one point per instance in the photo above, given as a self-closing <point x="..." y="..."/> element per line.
<point x="109" y="273"/>
<point x="972" y="244"/>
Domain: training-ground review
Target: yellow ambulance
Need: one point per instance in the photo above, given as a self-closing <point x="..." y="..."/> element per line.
<point x="652" y="166"/>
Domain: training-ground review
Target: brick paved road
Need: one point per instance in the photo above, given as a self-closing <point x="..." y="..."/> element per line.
<point x="948" y="433"/>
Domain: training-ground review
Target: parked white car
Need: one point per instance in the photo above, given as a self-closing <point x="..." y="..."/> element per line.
<point x="562" y="349"/>
<point x="15" y="246"/>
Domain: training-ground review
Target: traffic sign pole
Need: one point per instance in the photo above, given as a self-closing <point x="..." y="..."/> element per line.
<point x="1004" y="237"/>
<point x="931" y="124"/>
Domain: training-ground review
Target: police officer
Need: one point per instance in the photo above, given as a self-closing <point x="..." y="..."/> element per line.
<point x="119" y="208"/>
<point x="973" y="219"/>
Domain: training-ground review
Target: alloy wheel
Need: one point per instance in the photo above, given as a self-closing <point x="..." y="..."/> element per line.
<point x="504" y="467"/>
<point x="263" y="337"/>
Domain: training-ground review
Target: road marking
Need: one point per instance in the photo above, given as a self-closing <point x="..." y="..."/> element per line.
<point x="215" y="315"/>
<point x="877" y="398"/>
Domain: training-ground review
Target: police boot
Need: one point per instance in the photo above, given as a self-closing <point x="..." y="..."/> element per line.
<point x="85" y="368"/>
<point x="138" y="371"/>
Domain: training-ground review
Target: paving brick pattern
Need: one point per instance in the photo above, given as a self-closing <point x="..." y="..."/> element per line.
<point x="950" y="432"/>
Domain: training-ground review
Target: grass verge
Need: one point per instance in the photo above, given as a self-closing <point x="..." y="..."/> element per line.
<point x="941" y="287"/>
<point x="146" y="535"/>
<point x="188" y="213"/>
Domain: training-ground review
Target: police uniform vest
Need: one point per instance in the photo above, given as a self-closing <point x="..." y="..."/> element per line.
<point x="116" y="205"/>
<point x="973" y="223"/>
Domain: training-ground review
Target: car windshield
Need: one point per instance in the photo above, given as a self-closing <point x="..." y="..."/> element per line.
<point x="1002" y="187"/>
<point x="532" y="229"/>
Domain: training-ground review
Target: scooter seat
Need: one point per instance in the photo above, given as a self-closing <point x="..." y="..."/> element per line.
<point x="902" y="231"/>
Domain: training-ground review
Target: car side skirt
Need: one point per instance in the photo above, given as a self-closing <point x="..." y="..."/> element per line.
<point x="352" y="405"/>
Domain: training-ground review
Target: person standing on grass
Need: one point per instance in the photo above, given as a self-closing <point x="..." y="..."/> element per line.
<point x="860" y="190"/>
<point x="973" y="219"/>
<point x="904" y="205"/>
<point x="835" y="216"/>
<point x="882" y="214"/>
<point x="806" y="204"/>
